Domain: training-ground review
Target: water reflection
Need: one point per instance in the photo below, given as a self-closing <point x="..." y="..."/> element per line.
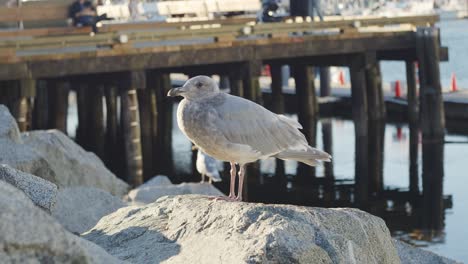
<point x="413" y="209"/>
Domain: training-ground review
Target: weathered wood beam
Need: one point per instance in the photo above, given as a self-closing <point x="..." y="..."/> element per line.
<point x="375" y="95"/>
<point x="307" y="112"/>
<point x="277" y="107"/>
<point x="431" y="103"/>
<point x="58" y="103"/>
<point x="360" y="119"/>
<point x="130" y="119"/>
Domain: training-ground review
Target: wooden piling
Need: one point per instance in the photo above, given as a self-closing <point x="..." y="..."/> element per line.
<point x="112" y="131"/>
<point x="41" y="106"/>
<point x="360" y="119"/>
<point x="325" y="89"/>
<point x="431" y="103"/>
<point x="376" y="146"/>
<point x="307" y="113"/>
<point x="148" y="115"/>
<point x="413" y="119"/>
<point x="96" y="119"/>
<point x="413" y="153"/>
<point x="327" y="139"/>
<point x="144" y="100"/>
<point x="412" y="97"/>
<point x="164" y="161"/>
<point x="432" y="183"/>
<point x="251" y="84"/>
<point x="375" y="96"/>
<point x="130" y="119"/>
<point x="306" y="99"/>
<point x="236" y="84"/>
<point x="58" y="103"/>
<point x="277" y="106"/>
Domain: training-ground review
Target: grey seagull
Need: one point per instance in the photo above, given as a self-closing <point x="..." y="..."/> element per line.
<point x="233" y="129"/>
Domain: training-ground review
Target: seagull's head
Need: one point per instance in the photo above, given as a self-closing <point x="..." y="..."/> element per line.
<point x="196" y="87"/>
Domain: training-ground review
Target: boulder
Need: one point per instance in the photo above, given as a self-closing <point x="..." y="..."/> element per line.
<point x="8" y="127"/>
<point x="78" y="209"/>
<point x="196" y="229"/>
<point x="40" y="191"/>
<point x="158" y="180"/>
<point x="412" y="255"/>
<point x="71" y="164"/>
<point x="25" y="159"/>
<point x="160" y="186"/>
<point x="30" y="235"/>
<point x="52" y="156"/>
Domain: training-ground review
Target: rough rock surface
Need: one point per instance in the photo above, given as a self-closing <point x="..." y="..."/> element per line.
<point x="30" y="235"/>
<point x="72" y="165"/>
<point x="78" y="209"/>
<point x="25" y="159"/>
<point x="161" y="186"/>
<point x="412" y="255"/>
<point x="40" y="191"/>
<point x="8" y="127"/>
<point x="52" y="156"/>
<point x="196" y="229"/>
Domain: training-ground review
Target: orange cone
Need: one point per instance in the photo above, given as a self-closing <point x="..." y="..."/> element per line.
<point x="341" y="78"/>
<point x="453" y="83"/>
<point x="397" y="89"/>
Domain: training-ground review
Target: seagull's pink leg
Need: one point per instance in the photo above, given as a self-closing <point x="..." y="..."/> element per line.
<point x="232" y="191"/>
<point x="241" y="182"/>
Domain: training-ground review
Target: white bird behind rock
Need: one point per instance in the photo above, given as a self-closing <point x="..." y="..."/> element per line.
<point x="233" y="129"/>
<point x="207" y="166"/>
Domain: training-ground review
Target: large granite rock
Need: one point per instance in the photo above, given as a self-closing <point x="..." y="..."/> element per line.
<point x="78" y="209"/>
<point x="40" y="191"/>
<point x="52" y="156"/>
<point x="160" y="186"/>
<point x="412" y="255"/>
<point x="196" y="229"/>
<point x="8" y="127"/>
<point x="23" y="158"/>
<point x="30" y="235"/>
<point x="71" y="164"/>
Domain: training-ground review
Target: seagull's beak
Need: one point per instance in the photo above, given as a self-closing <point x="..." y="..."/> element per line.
<point x="175" y="91"/>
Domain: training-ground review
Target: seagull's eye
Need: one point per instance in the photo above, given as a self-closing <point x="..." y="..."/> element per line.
<point x="199" y="84"/>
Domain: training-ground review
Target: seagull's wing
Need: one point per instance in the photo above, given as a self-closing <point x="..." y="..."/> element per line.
<point x="244" y="122"/>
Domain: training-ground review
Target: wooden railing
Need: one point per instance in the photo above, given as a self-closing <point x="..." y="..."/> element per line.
<point x="219" y="30"/>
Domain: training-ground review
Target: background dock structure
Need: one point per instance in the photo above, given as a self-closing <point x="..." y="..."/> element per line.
<point x="122" y="74"/>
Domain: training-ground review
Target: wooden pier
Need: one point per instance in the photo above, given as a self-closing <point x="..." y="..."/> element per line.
<point x="121" y="76"/>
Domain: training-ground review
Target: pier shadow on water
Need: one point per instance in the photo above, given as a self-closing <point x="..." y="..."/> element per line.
<point x="382" y="174"/>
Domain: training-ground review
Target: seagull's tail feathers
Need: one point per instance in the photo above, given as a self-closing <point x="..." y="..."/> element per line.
<point x="310" y="156"/>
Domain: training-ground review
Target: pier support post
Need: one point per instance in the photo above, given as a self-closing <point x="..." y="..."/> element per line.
<point x="360" y="119"/>
<point x="112" y="132"/>
<point x="147" y="115"/>
<point x="432" y="106"/>
<point x="277" y="99"/>
<point x="307" y="112"/>
<point x="413" y="119"/>
<point x="236" y="84"/>
<point x="325" y="89"/>
<point x="96" y="119"/>
<point x="131" y="127"/>
<point x="41" y="106"/>
<point x="412" y="97"/>
<point x="58" y="103"/>
<point x="251" y="82"/>
<point x="432" y="125"/>
<point x="375" y="96"/>
<point x="162" y="130"/>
